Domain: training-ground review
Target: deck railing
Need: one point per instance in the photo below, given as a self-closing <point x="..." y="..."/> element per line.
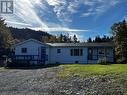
<point x="26" y="57"/>
<point x="97" y="57"/>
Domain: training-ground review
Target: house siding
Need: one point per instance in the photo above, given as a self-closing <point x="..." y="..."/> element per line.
<point x="32" y="49"/>
<point x="65" y="57"/>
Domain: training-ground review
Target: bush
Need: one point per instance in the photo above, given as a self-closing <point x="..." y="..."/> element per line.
<point x="102" y="61"/>
<point x="122" y="61"/>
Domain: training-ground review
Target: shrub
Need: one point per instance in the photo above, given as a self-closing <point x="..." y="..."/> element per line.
<point x="102" y="61"/>
<point x="122" y="60"/>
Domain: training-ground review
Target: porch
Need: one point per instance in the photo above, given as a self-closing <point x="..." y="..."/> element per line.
<point x="29" y="59"/>
<point x="95" y="54"/>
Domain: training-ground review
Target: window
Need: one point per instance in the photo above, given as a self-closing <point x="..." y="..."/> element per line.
<point x="76" y="52"/>
<point x="81" y="52"/>
<point x="58" y="50"/>
<point x="71" y="52"/>
<point x="24" y="50"/>
<point x="101" y="51"/>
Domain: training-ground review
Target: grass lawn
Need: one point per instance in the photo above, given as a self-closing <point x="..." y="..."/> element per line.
<point x="1" y="69"/>
<point x="92" y="70"/>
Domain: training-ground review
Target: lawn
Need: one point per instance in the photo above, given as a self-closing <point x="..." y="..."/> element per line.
<point x="2" y="69"/>
<point x="92" y="70"/>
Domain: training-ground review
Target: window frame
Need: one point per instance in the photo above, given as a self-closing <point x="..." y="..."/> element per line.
<point x="23" y="50"/>
<point x="58" y="51"/>
<point x="76" y="52"/>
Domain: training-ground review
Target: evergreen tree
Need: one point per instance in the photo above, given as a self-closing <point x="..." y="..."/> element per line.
<point x="75" y="39"/>
<point x="61" y="38"/>
<point x="89" y="40"/>
<point x="97" y="39"/>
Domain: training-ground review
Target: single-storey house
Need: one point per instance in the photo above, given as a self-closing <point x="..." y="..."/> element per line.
<point x="37" y="52"/>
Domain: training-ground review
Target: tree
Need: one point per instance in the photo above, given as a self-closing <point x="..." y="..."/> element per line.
<point x="45" y="39"/>
<point x="105" y="38"/>
<point x="52" y="39"/>
<point x="119" y="31"/>
<point x="89" y="40"/>
<point x="61" y="38"/>
<point x="75" y="39"/>
<point x="6" y="38"/>
<point x="97" y="39"/>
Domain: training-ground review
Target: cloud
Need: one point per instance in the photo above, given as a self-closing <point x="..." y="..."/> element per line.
<point x="25" y="15"/>
<point x="78" y="35"/>
<point x="17" y="23"/>
<point x="125" y="17"/>
<point x="73" y="6"/>
<point x="28" y="10"/>
<point x="61" y="11"/>
<point x="89" y="2"/>
<point x="87" y="14"/>
<point x="38" y="14"/>
<point x="70" y="31"/>
<point x="24" y="12"/>
<point x="64" y="9"/>
<point x="59" y="29"/>
<point x="98" y="7"/>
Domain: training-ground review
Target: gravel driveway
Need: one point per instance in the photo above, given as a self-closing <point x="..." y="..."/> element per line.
<point x="44" y="82"/>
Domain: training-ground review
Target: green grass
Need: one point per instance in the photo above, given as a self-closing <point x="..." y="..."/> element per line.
<point x="91" y="70"/>
<point x="1" y="68"/>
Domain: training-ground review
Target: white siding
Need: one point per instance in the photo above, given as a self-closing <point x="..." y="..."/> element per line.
<point x="65" y="57"/>
<point x="32" y="49"/>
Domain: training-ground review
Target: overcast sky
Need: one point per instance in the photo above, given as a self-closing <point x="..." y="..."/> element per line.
<point x="86" y="18"/>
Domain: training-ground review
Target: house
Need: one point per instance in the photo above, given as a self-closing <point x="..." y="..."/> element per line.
<point x="37" y="52"/>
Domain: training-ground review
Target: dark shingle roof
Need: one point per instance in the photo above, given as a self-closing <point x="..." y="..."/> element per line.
<point x="81" y="44"/>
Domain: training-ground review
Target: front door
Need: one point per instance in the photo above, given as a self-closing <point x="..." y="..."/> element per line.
<point x="42" y="55"/>
<point x="90" y="53"/>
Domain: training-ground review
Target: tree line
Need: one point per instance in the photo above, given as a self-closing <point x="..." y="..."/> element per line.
<point x="60" y="39"/>
<point x="99" y="39"/>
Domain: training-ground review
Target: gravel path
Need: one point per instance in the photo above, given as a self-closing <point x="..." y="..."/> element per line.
<point x="44" y="82"/>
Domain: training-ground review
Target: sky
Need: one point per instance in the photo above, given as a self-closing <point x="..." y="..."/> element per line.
<point x="85" y="18"/>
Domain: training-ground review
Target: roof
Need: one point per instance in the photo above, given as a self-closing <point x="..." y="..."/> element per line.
<point x="20" y="43"/>
<point x="81" y="44"/>
<point x="69" y="44"/>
